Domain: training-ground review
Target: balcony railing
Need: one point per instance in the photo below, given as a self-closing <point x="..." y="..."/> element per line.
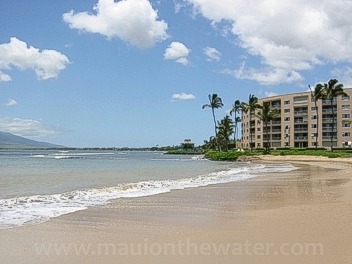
<point x="276" y="131"/>
<point x="334" y="138"/>
<point x="301" y="112"/>
<point x="325" y="102"/>
<point x="329" y="110"/>
<point x="301" y="129"/>
<point x="301" y="138"/>
<point x="276" y="122"/>
<point x="300" y="121"/>
<point x="276" y="139"/>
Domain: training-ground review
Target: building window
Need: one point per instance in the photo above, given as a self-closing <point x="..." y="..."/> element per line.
<point x="345" y="107"/>
<point x="314" y="125"/>
<point x="346" y="134"/>
<point x="345" y="124"/>
<point x="258" y="137"/>
<point x="287" y="110"/>
<point x="313" y="108"/>
<point x="258" y="129"/>
<point x="315" y="144"/>
<point x="314" y="135"/>
<point x="287" y="102"/>
<point x="286" y="119"/>
<point x="345" y="97"/>
<point x="313" y="117"/>
<point x="346" y="115"/>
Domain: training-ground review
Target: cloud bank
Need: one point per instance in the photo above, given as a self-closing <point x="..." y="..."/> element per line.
<point x="288" y="36"/>
<point x="133" y="21"/>
<point x="28" y="128"/>
<point x="17" y="54"/>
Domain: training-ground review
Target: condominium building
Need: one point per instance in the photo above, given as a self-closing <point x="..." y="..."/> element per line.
<point x="296" y="124"/>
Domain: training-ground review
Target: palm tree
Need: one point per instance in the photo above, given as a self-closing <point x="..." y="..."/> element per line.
<point x="225" y="131"/>
<point x="236" y="108"/>
<point x="266" y="115"/>
<point x="317" y="94"/>
<point x="331" y="91"/>
<point x="251" y="107"/>
<point x="215" y="102"/>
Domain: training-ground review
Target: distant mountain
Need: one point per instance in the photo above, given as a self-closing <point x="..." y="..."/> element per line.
<point x="8" y="140"/>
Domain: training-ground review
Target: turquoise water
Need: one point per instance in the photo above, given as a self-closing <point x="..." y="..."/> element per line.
<point x="38" y="185"/>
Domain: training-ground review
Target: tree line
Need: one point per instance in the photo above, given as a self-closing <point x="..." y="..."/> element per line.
<point x="228" y="126"/>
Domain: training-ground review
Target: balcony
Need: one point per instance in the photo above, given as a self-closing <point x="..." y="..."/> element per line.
<point x="276" y="122"/>
<point x="301" y="129"/>
<point x="301" y="112"/>
<point x="276" y="139"/>
<point x="276" y="131"/>
<point x="328" y="120"/>
<point x="330" y="111"/>
<point x="334" y="138"/>
<point x="301" y="121"/>
<point x="304" y="138"/>
<point x="276" y="106"/>
<point x="328" y="129"/>
<point x="328" y="102"/>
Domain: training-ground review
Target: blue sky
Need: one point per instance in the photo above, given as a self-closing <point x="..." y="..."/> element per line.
<point x="136" y="72"/>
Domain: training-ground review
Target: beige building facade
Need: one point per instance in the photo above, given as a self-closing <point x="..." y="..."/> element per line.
<point x="297" y="122"/>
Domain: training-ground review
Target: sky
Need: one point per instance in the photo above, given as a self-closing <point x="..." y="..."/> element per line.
<point x="135" y="73"/>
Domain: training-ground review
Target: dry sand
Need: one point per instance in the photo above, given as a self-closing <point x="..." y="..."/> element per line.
<point x="302" y="216"/>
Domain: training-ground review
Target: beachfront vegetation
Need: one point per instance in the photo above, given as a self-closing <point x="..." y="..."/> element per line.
<point x="317" y="94"/>
<point x="237" y="108"/>
<point x="215" y="102"/>
<point x="224" y="129"/>
<point x="251" y="106"/>
<point x="266" y="115"/>
<point x="331" y="91"/>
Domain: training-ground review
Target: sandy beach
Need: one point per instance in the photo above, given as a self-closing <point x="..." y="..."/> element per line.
<point x="303" y="216"/>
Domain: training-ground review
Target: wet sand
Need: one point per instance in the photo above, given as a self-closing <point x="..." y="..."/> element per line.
<point x="302" y="216"/>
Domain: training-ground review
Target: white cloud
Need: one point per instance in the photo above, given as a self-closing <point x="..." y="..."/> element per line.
<point x="270" y="94"/>
<point x="28" y="128"/>
<point x="212" y="54"/>
<point x="4" y="77"/>
<point x="11" y="102"/>
<point x="268" y="76"/>
<point x="46" y="63"/>
<point x="182" y="97"/>
<point x="289" y="36"/>
<point x="344" y="75"/>
<point x="177" y="51"/>
<point x="133" y="21"/>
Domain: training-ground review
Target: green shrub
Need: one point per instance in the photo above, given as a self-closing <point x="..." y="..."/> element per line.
<point x="228" y="156"/>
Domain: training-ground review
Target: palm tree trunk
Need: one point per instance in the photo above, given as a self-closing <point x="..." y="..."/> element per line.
<point x="316" y="137"/>
<point x="267" y="136"/>
<point x="234" y="135"/>
<point x="250" y="130"/>
<point x="333" y="125"/>
<point x="216" y="132"/>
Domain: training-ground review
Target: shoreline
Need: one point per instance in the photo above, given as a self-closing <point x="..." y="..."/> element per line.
<point x="309" y="205"/>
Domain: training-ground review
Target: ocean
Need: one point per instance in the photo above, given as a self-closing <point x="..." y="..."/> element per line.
<point x="37" y="185"/>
